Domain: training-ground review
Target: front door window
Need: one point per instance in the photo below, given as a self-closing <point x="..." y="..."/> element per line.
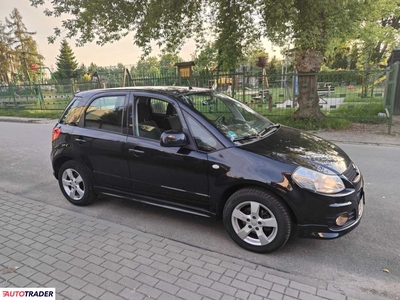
<point x="154" y="116"/>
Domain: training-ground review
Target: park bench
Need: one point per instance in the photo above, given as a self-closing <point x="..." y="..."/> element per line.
<point x="324" y="91"/>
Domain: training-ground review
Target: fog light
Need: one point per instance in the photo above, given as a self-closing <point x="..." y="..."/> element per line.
<point x="342" y="219"/>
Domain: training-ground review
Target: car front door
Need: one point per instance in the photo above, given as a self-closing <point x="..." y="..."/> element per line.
<point x="171" y="175"/>
<point x="100" y="141"/>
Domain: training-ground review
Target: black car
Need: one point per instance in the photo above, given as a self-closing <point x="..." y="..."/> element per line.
<point x="202" y="152"/>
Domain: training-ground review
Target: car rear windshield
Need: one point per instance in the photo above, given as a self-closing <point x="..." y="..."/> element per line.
<point x="72" y="114"/>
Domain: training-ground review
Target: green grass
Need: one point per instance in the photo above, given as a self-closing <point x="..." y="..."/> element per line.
<point x="24" y="113"/>
<point x="312" y="123"/>
<point x="31" y="109"/>
<point x="363" y="113"/>
<point x="336" y="119"/>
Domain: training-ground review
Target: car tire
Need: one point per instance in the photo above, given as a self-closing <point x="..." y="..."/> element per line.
<point x="257" y="220"/>
<point x="76" y="183"/>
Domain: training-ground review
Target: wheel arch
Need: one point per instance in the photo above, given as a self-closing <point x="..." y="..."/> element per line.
<point x="233" y="189"/>
<point x="60" y="160"/>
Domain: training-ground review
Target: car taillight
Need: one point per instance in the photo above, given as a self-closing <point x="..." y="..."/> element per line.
<point x="56" y="133"/>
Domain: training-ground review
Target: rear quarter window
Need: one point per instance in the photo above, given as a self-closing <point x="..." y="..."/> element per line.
<point x="72" y="114"/>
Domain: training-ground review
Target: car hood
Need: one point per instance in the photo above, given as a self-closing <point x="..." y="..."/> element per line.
<point x="299" y="148"/>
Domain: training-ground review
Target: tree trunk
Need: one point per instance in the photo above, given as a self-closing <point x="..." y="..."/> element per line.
<point x="308" y="63"/>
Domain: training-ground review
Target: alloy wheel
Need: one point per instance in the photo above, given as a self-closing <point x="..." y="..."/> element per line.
<point x="254" y="223"/>
<point x="73" y="184"/>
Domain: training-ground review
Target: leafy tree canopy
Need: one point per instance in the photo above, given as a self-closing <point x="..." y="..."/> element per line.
<point x="308" y="25"/>
<point x="147" y="66"/>
<point x="206" y="59"/>
<point x="167" y="62"/>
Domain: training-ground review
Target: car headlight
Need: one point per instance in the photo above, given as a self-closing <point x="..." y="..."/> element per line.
<point x="318" y="182"/>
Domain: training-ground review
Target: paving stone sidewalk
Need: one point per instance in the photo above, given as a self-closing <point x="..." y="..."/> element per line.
<point x="88" y="258"/>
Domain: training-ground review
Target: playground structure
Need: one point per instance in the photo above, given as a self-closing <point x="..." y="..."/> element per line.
<point x="37" y="86"/>
<point x="96" y="80"/>
<point x="127" y="75"/>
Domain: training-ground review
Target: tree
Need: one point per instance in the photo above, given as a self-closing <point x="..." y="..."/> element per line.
<point x="147" y="66"/>
<point x="24" y="46"/>
<point x="308" y="25"/>
<point x="92" y="67"/>
<point x="206" y="59"/>
<point x="66" y="62"/>
<point x="273" y="70"/>
<point x="380" y="34"/>
<point x="5" y="55"/>
<point x="353" y="58"/>
<point x="81" y="71"/>
<point x="311" y="25"/>
<point x="167" y="64"/>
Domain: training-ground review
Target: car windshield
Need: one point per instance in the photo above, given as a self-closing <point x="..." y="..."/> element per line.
<point x="235" y="120"/>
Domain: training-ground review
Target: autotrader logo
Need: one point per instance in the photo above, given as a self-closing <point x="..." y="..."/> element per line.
<point x="28" y="293"/>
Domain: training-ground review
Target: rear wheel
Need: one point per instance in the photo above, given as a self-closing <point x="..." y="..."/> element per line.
<point x="257" y="220"/>
<point x="75" y="183"/>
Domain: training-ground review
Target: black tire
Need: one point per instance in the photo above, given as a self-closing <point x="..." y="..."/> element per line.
<point x="76" y="183"/>
<point x="247" y="214"/>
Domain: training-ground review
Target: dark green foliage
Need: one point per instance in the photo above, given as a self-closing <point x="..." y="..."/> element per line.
<point x="310" y="26"/>
<point x="363" y="113"/>
<point x="66" y="62"/>
<point x="311" y="123"/>
<point x="6" y="53"/>
<point x="22" y="48"/>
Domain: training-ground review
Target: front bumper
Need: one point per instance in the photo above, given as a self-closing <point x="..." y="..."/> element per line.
<point x="353" y="206"/>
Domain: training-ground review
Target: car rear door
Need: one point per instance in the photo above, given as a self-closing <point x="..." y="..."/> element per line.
<point x="171" y="175"/>
<point x="100" y="140"/>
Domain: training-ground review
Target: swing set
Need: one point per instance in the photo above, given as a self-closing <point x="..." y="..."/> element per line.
<point x="37" y="86"/>
<point x="96" y="82"/>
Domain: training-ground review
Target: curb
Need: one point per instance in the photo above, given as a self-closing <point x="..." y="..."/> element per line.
<point x="26" y="120"/>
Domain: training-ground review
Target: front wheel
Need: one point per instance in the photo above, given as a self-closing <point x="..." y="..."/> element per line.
<point x="257" y="221"/>
<point x="75" y="183"/>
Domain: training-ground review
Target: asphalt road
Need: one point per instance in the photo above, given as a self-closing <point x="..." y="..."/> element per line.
<point x="356" y="260"/>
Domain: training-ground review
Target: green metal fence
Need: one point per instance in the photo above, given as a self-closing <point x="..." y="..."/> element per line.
<point x="342" y="94"/>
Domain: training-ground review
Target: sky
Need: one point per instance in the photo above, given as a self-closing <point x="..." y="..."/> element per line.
<point x="123" y="51"/>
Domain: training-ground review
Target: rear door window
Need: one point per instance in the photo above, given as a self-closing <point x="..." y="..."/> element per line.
<point x="105" y="113"/>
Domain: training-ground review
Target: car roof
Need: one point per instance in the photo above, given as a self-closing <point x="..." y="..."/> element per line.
<point x="166" y="90"/>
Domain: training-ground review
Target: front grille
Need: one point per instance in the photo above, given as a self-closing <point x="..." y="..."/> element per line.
<point x="352" y="173"/>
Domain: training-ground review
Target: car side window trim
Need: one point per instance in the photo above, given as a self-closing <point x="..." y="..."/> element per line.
<point x="123" y="105"/>
<point x="135" y="97"/>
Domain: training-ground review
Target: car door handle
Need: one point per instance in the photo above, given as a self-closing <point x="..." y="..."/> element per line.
<point x="136" y="151"/>
<point x="80" y="141"/>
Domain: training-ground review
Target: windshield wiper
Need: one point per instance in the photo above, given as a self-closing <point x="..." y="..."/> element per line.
<point x="246" y="137"/>
<point x="267" y="129"/>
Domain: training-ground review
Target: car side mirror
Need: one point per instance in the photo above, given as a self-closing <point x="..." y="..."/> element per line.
<point x="173" y="138"/>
